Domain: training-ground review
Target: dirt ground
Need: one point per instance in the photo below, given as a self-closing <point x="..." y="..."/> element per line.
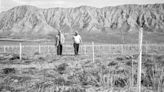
<point x="69" y="73"/>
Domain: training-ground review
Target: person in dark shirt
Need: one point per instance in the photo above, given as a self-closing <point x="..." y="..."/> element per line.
<point x="59" y="42"/>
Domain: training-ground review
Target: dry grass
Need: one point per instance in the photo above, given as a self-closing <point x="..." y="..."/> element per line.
<point x="51" y="73"/>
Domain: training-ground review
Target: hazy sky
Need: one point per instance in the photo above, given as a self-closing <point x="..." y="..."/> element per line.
<point x="8" y="4"/>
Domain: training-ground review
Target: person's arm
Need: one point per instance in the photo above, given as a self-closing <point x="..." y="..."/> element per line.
<point x="80" y="39"/>
<point x="63" y="38"/>
<point x="56" y="41"/>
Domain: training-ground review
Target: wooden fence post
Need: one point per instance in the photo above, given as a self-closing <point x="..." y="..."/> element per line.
<point x="140" y="60"/>
<point x="132" y="75"/>
<point x="146" y="47"/>
<point x="93" y="52"/>
<point x="85" y="50"/>
<point x="20" y="51"/>
<point x="4" y="49"/>
<point x="39" y="49"/>
<point x="154" y="73"/>
<point x="109" y="49"/>
<point x="48" y="49"/>
<point x="122" y="49"/>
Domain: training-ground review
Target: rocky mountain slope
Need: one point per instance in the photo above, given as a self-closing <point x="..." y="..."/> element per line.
<point x="29" y="20"/>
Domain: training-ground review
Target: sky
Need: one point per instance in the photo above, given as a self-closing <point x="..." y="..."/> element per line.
<point x="8" y="4"/>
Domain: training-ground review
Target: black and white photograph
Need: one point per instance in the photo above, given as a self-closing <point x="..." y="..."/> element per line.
<point x="81" y="45"/>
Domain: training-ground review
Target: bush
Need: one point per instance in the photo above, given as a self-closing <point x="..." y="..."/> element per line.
<point x="8" y="70"/>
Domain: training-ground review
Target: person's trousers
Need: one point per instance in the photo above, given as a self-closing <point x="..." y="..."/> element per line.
<point x="59" y="49"/>
<point x="76" y="48"/>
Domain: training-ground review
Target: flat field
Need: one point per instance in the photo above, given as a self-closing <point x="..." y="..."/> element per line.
<point x="112" y="68"/>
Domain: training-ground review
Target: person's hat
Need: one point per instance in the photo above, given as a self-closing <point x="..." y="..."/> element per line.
<point x="76" y="32"/>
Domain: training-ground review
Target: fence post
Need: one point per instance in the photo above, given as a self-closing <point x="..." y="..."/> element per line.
<point x="122" y="49"/>
<point x="48" y="49"/>
<point x="132" y="74"/>
<point x="20" y="51"/>
<point x="140" y="60"/>
<point x="154" y="69"/>
<point x="39" y="49"/>
<point x="93" y="52"/>
<point x="109" y="49"/>
<point x="146" y="47"/>
<point x="85" y="50"/>
<point x="4" y="49"/>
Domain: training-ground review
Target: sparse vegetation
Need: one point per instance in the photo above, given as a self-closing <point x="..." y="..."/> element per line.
<point x="80" y="74"/>
<point x="114" y="69"/>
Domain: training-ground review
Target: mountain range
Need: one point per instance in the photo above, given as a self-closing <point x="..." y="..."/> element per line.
<point x="30" y="21"/>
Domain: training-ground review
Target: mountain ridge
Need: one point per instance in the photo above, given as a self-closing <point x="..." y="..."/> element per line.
<point x="29" y="20"/>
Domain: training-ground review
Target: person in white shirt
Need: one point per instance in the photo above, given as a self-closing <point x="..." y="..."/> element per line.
<point x="76" y="42"/>
<point x="59" y="42"/>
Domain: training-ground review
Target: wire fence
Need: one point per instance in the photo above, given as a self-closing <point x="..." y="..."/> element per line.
<point x="85" y="49"/>
<point x="155" y="71"/>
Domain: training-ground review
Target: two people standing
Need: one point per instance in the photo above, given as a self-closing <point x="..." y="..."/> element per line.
<point x="60" y="39"/>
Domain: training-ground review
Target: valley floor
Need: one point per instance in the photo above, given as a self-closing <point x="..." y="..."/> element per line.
<point x="69" y="73"/>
